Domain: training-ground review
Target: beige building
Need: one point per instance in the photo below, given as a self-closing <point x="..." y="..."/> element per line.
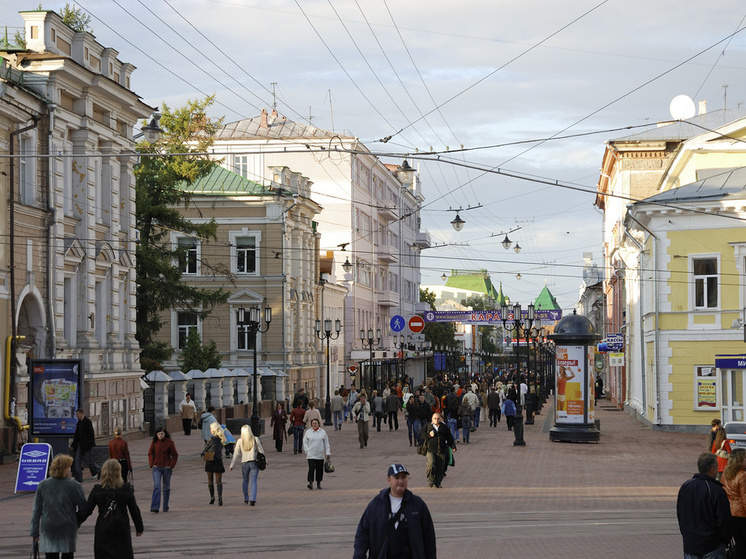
<point x="67" y="267"/>
<point x="266" y="254"/>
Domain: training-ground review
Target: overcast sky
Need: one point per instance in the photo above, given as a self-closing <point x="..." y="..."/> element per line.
<point x="439" y="75"/>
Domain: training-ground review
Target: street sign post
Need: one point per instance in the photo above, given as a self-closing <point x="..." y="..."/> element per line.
<point x="32" y="466"/>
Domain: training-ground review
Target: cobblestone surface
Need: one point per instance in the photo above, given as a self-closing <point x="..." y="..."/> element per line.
<point x="613" y="499"/>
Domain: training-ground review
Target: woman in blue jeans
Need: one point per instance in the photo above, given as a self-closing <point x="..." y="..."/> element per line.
<point x="162" y="457"/>
<point x="410" y="412"/>
<point x="246" y="448"/>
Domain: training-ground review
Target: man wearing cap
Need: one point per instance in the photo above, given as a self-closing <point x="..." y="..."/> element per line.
<point x="396" y="523"/>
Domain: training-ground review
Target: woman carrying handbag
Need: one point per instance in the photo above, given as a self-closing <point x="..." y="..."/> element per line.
<point x="721" y="449"/>
<point x="213" y="457"/>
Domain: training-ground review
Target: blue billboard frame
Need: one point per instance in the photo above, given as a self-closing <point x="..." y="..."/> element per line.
<point x="55" y="392"/>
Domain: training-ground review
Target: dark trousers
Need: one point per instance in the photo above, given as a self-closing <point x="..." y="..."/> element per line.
<point x="315" y="467"/>
<point x="739" y="536"/>
<point x="187" y="424"/>
<point x="84" y="459"/>
<point x="494" y="416"/>
<point x="377" y="421"/>
<point x="435" y="466"/>
<point x="393" y="420"/>
<point x="510" y="419"/>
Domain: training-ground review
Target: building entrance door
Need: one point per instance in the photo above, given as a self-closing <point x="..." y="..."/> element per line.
<point x="733" y="395"/>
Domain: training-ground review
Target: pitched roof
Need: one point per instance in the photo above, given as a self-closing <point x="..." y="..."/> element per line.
<point x="546" y="301"/>
<point x="472" y="281"/>
<point x="731" y="183"/>
<point x="685" y="129"/>
<point x="221" y="181"/>
<point x="270" y="126"/>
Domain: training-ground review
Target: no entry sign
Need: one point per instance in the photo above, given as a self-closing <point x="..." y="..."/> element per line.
<point x="416" y="324"/>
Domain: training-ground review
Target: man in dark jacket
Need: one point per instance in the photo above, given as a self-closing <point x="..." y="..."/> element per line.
<point x="493" y="404"/>
<point x="393" y="405"/>
<point x="83" y="442"/>
<point x="704" y="512"/>
<point x="396" y="523"/>
<point x="437" y="439"/>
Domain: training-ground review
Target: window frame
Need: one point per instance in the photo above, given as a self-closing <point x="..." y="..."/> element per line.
<point x="703" y="280"/>
<point x="185" y="328"/>
<point x="184" y="262"/>
<point x="233" y="239"/>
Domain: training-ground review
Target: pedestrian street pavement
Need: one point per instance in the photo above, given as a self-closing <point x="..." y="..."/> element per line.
<point x="613" y="499"/>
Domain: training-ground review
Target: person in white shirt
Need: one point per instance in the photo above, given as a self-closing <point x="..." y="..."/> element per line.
<point x="316" y="446"/>
<point x="247" y="448"/>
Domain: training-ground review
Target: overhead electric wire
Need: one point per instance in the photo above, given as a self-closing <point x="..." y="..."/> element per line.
<point x="525" y="52"/>
<point x="239" y="66"/>
<point x="149" y="57"/>
<point x="339" y="63"/>
<point x="722" y="54"/>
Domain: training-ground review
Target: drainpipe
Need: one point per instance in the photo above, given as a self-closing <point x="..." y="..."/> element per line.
<point x="284" y="285"/>
<point x="642" y="329"/>
<point x="10" y="346"/>
<point x="52" y="331"/>
<point x="656" y="310"/>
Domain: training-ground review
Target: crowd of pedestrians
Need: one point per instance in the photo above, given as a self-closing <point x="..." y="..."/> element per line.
<point x="437" y="416"/>
<point x="711" y="506"/>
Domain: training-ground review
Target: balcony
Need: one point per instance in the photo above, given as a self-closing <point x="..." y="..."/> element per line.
<point x="422" y="240"/>
<point x="388" y="253"/>
<point x="387" y="210"/>
<point x="387" y="298"/>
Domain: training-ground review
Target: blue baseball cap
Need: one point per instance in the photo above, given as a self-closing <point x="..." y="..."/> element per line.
<point x="395" y="469"/>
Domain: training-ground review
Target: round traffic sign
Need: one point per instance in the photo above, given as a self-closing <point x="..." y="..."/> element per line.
<point x="416" y="324"/>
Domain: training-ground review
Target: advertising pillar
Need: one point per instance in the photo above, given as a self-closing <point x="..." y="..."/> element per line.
<point x="574" y="416"/>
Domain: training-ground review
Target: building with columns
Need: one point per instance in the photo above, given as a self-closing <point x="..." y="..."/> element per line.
<point x="68" y="263"/>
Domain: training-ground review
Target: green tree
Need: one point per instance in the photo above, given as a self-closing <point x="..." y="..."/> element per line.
<point x="160" y="177"/>
<point x="437" y="333"/>
<point x="75" y="18"/>
<point x="198" y="356"/>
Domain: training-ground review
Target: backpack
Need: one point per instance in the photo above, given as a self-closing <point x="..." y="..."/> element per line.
<point x="112" y="517"/>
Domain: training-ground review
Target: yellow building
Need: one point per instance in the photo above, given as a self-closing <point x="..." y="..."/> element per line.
<point x="685" y="255"/>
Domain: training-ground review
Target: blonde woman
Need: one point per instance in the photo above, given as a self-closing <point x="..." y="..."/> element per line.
<point x="113" y="497"/>
<point x="734" y="481"/>
<point x="54" y="521"/>
<point x="215" y="466"/>
<point x="246" y="449"/>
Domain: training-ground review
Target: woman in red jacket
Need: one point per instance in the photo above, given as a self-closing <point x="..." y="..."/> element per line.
<point x="119" y="451"/>
<point x="721" y="449"/>
<point x="162" y="457"/>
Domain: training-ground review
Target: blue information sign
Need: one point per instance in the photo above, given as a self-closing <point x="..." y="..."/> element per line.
<point x="398" y="323"/>
<point x="55" y="394"/>
<point x="33" y="465"/>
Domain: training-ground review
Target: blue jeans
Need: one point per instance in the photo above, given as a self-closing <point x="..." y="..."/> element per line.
<point x="718" y="553"/>
<point x="249" y="469"/>
<point x="337" y="415"/>
<point x="453" y="426"/>
<point x="346" y="411"/>
<point x="298" y="438"/>
<point x="418" y="431"/>
<point x="161" y="475"/>
<point x="466" y="425"/>
<point x="412" y="430"/>
<point x="475" y="416"/>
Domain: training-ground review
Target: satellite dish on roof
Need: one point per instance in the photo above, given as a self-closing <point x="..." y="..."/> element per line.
<point x="682" y="107"/>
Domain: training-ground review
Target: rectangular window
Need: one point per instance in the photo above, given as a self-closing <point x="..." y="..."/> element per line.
<point x="705" y="283"/>
<point x="241" y="165"/>
<point x="187" y="321"/>
<point x="188" y="255"/>
<point x="245" y="339"/>
<point x="26" y="173"/>
<point x="246" y="255"/>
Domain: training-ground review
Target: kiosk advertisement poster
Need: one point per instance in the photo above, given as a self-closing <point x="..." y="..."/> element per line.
<point x="570" y="388"/>
<point x="55" y="391"/>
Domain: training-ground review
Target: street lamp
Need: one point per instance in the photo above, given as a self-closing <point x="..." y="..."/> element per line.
<point x="400" y="347"/>
<point x="327" y="335"/>
<point x="458" y="223"/>
<point x="252" y="327"/>
<point x="371" y="341"/>
<point x="405" y="173"/>
<point x="151" y="131"/>
<point x="515" y="323"/>
<point x="529" y="333"/>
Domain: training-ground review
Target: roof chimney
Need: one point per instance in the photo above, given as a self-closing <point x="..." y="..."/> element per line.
<point x="703" y="107"/>
<point x="264" y="124"/>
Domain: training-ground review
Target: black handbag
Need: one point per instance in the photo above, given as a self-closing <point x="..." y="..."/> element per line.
<point x="261" y="461"/>
<point x="34" y="550"/>
<point x="328" y="466"/>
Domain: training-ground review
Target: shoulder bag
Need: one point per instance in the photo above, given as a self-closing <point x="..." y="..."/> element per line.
<point x="208" y="455"/>
<point x="328" y="466"/>
<point x="261" y="460"/>
<point x="722" y="453"/>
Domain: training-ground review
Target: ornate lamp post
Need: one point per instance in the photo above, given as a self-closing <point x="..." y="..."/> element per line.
<point x="327" y="335"/>
<point x="512" y="320"/>
<point x="252" y="327"/>
<point x="370" y="341"/>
